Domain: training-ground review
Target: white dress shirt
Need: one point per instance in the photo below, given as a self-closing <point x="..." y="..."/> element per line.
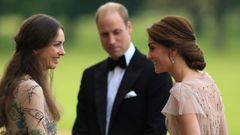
<point x="114" y="78"/>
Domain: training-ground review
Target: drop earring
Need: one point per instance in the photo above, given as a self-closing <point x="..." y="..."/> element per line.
<point x="172" y="60"/>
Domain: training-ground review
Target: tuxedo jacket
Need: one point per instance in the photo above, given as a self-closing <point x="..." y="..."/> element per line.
<point x="138" y="115"/>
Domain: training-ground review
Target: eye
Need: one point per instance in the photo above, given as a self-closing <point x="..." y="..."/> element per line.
<point x="58" y="44"/>
<point x="151" y="46"/>
<point x="117" y="32"/>
<point x="104" y="34"/>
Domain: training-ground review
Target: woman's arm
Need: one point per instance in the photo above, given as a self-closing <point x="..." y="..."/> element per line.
<point x="188" y="124"/>
<point x="32" y="104"/>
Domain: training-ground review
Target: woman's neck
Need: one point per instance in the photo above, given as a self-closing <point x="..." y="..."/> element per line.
<point x="181" y="72"/>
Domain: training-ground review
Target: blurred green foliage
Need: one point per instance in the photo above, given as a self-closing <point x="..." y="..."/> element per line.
<point x="72" y="10"/>
<point x="85" y="49"/>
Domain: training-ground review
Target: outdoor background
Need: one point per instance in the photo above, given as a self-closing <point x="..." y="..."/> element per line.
<point x="216" y="23"/>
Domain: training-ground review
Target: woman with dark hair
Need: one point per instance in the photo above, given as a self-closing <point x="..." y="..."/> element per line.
<point x="26" y="102"/>
<point x="195" y="106"/>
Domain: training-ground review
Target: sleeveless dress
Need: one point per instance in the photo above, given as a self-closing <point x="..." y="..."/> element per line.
<point x="28" y="113"/>
<point x="198" y="96"/>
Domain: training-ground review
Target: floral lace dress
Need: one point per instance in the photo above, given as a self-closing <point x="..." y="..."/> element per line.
<point x="198" y="96"/>
<point x="28" y="113"/>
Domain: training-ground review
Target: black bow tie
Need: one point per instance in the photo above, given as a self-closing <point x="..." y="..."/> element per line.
<point x="121" y="62"/>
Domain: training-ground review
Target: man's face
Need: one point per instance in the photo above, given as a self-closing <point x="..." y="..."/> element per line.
<point x="114" y="34"/>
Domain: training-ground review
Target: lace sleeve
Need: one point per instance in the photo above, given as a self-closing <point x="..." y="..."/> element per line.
<point x="182" y="100"/>
<point x="32" y="104"/>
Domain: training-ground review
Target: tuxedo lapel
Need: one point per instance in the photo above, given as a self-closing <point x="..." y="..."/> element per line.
<point x="100" y="88"/>
<point x="129" y="78"/>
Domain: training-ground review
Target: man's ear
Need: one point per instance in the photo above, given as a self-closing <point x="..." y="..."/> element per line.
<point x="129" y="26"/>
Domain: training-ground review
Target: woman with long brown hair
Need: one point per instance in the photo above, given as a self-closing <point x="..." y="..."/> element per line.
<point x="26" y="102"/>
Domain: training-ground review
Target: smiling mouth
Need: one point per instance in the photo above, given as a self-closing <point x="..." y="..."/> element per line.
<point x="56" y="60"/>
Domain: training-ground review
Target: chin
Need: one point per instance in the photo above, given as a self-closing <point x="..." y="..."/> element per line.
<point x="158" y="71"/>
<point x="52" y="67"/>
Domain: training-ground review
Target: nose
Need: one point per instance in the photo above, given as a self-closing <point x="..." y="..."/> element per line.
<point x="148" y="56"/>
<point x="112" y="39"/>
<point x="61" y="51"/>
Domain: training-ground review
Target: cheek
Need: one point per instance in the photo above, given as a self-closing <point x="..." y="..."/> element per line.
<point x="151" y="55"/>
<point x="51" y="52"/>
<point x="103" y="40"/>
<point x="45" y="57"/>
<point x="157" y="56"/>
<point x="162" y="59"/>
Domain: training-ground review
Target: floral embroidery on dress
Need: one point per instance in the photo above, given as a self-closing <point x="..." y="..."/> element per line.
<point x="18" y="110"/>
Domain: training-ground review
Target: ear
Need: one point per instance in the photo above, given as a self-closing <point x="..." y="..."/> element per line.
<point x="172" y="52"/>
<point x="129" y="26"/>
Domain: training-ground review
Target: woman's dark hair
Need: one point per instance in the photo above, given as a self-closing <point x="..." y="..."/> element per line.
<point x="176" y="32"/>
<point x="35" y="33"/>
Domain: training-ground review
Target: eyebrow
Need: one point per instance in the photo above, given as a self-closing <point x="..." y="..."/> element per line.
<point x="56" y="42"/>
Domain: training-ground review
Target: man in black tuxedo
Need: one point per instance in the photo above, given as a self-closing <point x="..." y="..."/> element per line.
<point x="123" y="97"/>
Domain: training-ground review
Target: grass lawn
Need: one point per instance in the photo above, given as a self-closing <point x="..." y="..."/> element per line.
<point x="86" y="50"/>
<point x="224" y="70"/>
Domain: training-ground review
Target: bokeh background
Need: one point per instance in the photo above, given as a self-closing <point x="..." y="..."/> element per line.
<point x="216" y="23"/>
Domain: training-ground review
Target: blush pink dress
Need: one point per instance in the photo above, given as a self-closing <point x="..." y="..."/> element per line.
<point x="198" y="96"/>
